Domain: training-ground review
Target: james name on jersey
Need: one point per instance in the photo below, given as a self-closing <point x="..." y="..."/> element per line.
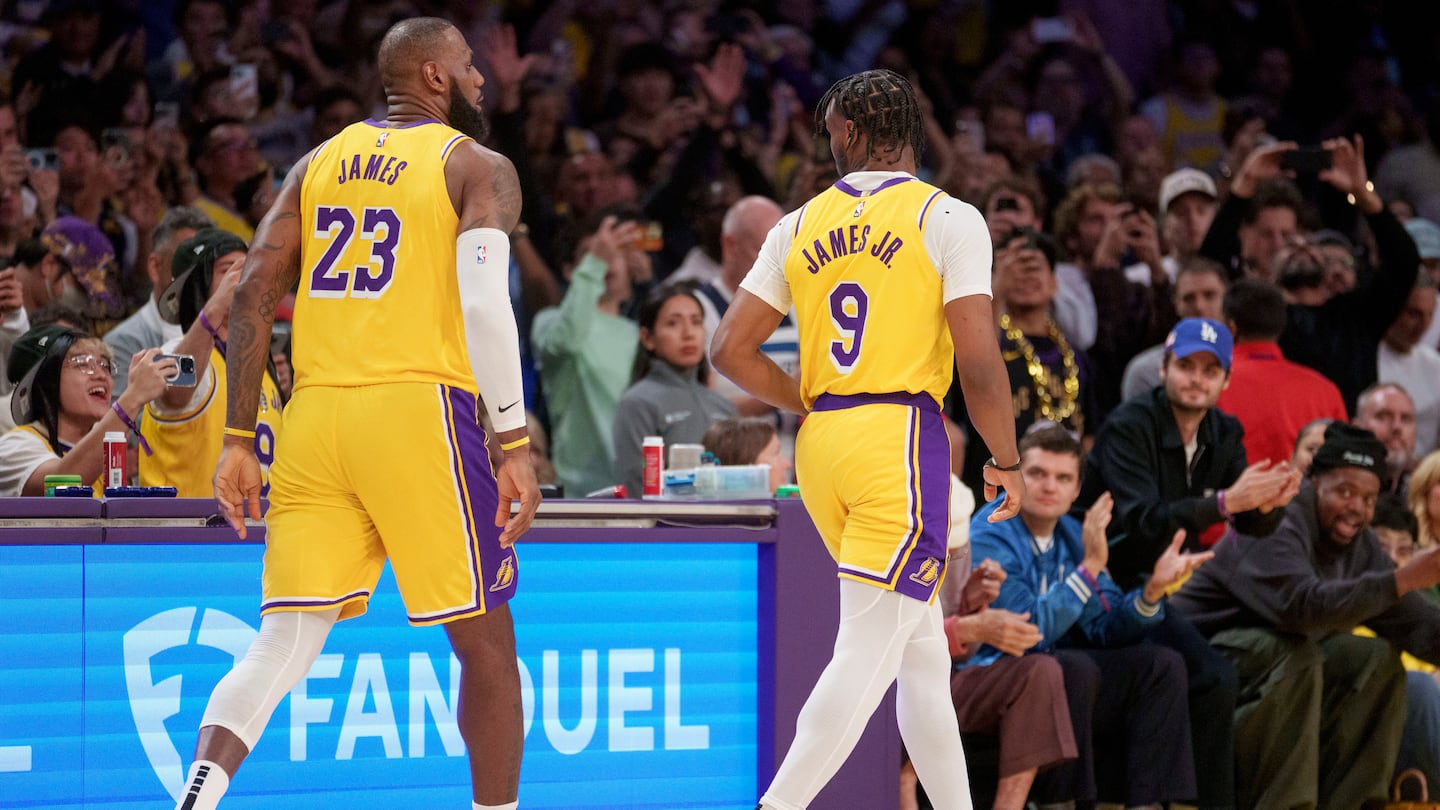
<point x="381" y="168"/>
<point x="846" y="240"/>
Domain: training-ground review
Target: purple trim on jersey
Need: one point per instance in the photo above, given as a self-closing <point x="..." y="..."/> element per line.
<point x="839" y="402"/>
<point x="275" y="604"/>
<point x="800" y="217"/>
<point x="471" y="466"/>
<point x="387" y="125"/>
<point x="921" y="223"/>
<point x="855" y="192"/>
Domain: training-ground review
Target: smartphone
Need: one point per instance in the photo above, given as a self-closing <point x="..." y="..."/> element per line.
<point x="1040" y="127"/>
<point x="651" y="238"/>
<point x="1307" y="160"/>
<point x="42" y="159"/>
<point x="972" y="131"/>
<point x="115" y="145"/>
<point x="244" y="91"/>
<point x="275" y="31"/>
<point x="185" y="377"/>
<point x="1051" y="29"/>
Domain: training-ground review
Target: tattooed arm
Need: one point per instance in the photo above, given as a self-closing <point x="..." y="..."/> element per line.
<point x="483" y="188"/>
<point x="271" y="269"/>
<point x="486" y="194"/>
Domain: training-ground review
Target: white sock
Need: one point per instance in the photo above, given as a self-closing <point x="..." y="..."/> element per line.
<point x="204" y="786"/>
<point x="511" y="806"/>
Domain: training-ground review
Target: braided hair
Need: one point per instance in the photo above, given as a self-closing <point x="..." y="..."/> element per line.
<point x="883" y="106"/>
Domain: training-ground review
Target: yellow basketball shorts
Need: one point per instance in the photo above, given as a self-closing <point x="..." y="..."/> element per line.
<point x="874" y="473"/>
<point x="396" y="470"/>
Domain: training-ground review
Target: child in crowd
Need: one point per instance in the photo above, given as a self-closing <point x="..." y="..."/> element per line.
<point x="753" y="440"/>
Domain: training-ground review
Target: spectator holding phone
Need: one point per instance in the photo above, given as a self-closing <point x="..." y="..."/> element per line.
<point x="585" y="347"/>
<point x="1339" y="337"/>
<point x="1104" y="234"/>
<point x="62" y="406"/>
<point x="182" y="429"/>
<point x="145" y="329"/>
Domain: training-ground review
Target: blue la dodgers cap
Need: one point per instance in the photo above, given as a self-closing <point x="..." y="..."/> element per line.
<point x="1193" y="335"/>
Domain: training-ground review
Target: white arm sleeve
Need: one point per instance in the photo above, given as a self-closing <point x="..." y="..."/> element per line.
<point x="482" y="268"/>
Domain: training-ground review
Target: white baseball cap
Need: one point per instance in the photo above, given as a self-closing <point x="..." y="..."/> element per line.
<point x="1185" y="181"/>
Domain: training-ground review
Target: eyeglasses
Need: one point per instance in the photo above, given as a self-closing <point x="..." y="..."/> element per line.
<point x="90" y="364"/>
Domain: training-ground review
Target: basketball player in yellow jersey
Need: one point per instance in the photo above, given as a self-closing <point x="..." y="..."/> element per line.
<point x="402" y="317"/>
<point x="886" y="275"/>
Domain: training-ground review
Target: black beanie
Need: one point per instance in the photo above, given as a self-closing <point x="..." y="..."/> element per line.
<point x="1349" y="446"/>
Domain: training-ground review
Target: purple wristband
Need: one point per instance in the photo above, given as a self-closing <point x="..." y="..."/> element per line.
<point x="1094" y="583"/>
<point x="214" y="333"/>
<point x="1220" y="502"/>
<point x="130" y="423"/>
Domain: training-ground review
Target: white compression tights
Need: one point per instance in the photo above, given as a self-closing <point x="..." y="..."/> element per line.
<point x="883" y="637"/>
<point x="281" y="654"/>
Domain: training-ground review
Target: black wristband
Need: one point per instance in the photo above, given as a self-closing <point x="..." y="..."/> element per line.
<point x="1012" y="468"/>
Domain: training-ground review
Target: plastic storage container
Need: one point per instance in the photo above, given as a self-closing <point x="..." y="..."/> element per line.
<point x="54" y="481"/>
<point x="735" y="483"/>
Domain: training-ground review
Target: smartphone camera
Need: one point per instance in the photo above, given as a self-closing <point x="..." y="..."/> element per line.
<point x="1307" y="160"/>
<point x="185" y="376"/>
<point x="42" y="159"/>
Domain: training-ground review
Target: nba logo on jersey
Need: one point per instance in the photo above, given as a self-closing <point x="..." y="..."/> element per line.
<point x="859" y="208"/>
<point x="929" y="570"/>
<point x="380" y="141"/>
<point x="505" y="575"/>
<point x="480" y="254"/>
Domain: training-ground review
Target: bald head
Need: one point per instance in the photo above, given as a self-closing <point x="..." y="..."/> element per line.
<point x="743" y="232"/>
<point x="408" y="45"/>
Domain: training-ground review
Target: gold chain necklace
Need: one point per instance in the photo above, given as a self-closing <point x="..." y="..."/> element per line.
<point x="1040" y="376"/>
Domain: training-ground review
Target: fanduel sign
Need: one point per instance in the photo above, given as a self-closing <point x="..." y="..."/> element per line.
<point x="634" y="696"/>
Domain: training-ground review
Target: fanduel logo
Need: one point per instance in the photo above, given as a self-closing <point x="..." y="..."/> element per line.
<point x="153" y="703"/>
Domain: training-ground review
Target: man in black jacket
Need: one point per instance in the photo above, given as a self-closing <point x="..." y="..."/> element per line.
<point x="1338" y="338"/>
<point x="1281" y="608"/>
<point x="1174" y="464"/>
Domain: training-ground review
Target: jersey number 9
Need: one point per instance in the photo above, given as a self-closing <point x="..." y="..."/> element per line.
<point x="849" y="305"/>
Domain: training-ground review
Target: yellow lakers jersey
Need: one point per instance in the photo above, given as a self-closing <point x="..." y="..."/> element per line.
<point x="187" y="445"/>
<point x="378" y="299"/>
<point x="38" y="431"/>
<point x="867" y="296"/>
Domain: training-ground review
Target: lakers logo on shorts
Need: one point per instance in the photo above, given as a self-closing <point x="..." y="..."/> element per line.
<point x="505" y="575"/>
<point x="929" y="570"/>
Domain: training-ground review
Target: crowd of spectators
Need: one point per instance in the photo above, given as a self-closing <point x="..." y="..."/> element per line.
<point x="1154" y="173"/>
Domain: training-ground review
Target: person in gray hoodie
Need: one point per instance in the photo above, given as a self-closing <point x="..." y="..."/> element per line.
<point x="668" y="394"/>
<point x="1281" y="608"/>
